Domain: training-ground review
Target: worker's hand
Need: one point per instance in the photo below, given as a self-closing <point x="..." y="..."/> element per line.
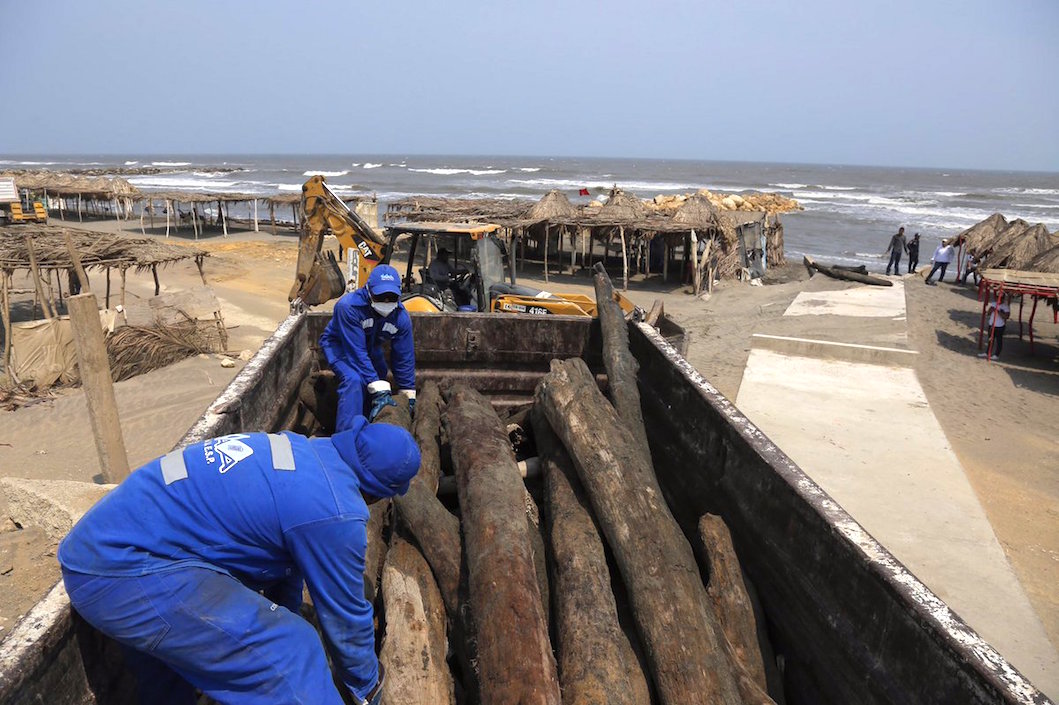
<point x="412" y="406"/>
<point x="379" y="400"/>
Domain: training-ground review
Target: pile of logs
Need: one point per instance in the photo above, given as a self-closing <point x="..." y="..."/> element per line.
<point x="570" y="585"/>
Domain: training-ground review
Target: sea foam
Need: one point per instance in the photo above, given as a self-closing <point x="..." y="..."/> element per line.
<point x="312" y="172"/>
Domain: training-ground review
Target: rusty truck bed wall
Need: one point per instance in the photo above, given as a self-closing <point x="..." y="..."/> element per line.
<point x="853" y="625"/>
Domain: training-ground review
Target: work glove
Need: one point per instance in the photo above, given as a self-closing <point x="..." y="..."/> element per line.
<point x="374" y="696"/>
<point x="410" y="394"/>
<point x="380" y="400"/>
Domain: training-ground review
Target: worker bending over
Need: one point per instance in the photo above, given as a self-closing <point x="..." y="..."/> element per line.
<point x="170" y="563"/>
<point x="353" y="344"/>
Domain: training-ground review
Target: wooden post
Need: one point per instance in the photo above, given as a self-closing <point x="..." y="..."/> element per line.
<point x="256" y="228"/>
<point x="124" y="313"/>
<point x="80" y="217"/>
<point x="272" y="216"/>
<point x="142" y="231"/>
<point x="154" y="273"/>
<point x="62" y="214"/>
<point x="545" y="252"/>
<point x="150" y="207"/>
<point x="217" y="316"/>
<point x="696" y="278"/>
<point x="194" y="221"/>
<point x="413" y="652"/>
<point x="98" y="386"/>
<point x="624" y="260"/>
<point x="106" y="301"/>
<point x="35" y="271"/>
<point x="224" y="218"/>
<point x="514" y="651"/>
<point x="6" y="279"/>
<point x="595" y="655"/>
<point x="168" y="212"/>
<point x="665" y="260"/>
<point x="682" y="641"/>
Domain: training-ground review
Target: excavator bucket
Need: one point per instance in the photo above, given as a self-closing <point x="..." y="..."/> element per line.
<point x="318" y="277"/>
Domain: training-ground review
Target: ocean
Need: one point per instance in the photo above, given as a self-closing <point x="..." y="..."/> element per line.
<point x="850" y="211"/>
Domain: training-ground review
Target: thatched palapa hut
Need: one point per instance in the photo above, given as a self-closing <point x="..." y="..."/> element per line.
<point x="1018" y="249"/>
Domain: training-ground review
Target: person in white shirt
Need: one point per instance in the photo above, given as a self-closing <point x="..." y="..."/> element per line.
<point x="997" y="317"/>
<point x="942" y="256"/>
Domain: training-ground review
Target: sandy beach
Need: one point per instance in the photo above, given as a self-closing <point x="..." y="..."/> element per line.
<point x="999" y="418"/>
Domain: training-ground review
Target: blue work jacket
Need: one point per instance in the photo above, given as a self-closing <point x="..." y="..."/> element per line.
<point x="352" y="341"/>
<point x="267" y="509"/>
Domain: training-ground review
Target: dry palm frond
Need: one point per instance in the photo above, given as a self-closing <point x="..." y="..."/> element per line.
<point x="134" y="350"/>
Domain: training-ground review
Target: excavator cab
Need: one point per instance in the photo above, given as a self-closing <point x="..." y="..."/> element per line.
<point x="488" y="285"/>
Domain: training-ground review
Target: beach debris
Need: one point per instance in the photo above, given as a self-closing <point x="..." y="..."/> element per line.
<point x="134" y="350"/>
<point x="852" y="274"/>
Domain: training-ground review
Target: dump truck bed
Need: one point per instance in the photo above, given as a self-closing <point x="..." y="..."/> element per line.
<point x="851" y="623"/>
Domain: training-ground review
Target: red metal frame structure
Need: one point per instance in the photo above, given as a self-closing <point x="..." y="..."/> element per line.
<point x="1038" y="285"/>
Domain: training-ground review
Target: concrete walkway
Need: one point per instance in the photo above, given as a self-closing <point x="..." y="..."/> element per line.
<point x="864" y="431"/>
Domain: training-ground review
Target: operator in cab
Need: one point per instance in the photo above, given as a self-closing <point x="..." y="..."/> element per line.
<point x="195" y="565"/>
<point x="353" y="344"/>
<point x="441" y="270"/>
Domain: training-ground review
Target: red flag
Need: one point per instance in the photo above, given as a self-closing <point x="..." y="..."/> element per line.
<point x="583" y="192"/>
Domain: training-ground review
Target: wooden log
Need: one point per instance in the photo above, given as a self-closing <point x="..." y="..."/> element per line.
<point x="622" y="367"/>
<point x="597" y="663"/>
<point x="624" y="261"/>
<point x="379" y="512"/>
<point x="426" y="429"/>
<point x="728" y="594"/>
<point x="35" y="271"/>
<point x="683" y="644"/>
<point x="658" y="309"/>
<point x="514" y="653"/>
<point x="99" y="387"/>
<point x="413" y="652"/>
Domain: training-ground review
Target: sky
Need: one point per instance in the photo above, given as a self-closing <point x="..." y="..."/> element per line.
<point x="930" y="83"/>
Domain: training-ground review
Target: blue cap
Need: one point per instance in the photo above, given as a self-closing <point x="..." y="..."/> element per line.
<point x="384" y="457"/>
<point x="384" y="279"/>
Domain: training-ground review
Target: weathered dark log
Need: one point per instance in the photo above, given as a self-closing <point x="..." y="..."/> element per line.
<point x="378" y="522"/>
<point x="540" y="553"/>
<point x="427" y="429"/>
<point x="596" y="661"/>
<point x="842" y="273"/>
<point x="621" y="365"/>
<point x="515" y="658"/>
<point x="415" y="646"/>
<point x="729" y="597"/>
<point x="684" y="646"/>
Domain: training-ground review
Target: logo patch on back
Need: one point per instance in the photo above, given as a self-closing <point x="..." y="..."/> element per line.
<point x="228" y="451"/>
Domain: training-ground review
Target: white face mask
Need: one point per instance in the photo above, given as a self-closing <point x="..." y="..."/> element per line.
<point x="384" y="308"/>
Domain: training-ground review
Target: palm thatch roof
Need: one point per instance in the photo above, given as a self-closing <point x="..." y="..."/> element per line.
<point x="1009" y="232"/>
<point x="621" y="209"/>
<point x="1047" y="261"/>
<point x="503" y="211"/>
<point x="1017" y="250"/>
<point x="553" y="206"/>
<point x="95" y="249"/>
<point x="62" y="184"/>
<point x="980" y="234"/>
<point x="697" y="212"/>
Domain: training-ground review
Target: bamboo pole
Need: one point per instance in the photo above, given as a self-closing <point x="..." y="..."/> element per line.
<point x="221" y="206"/>
<point x="106" y="301"/>
<point x="99" y="387"/>
<point x="217" y="316"/>
<point x="194" y="221"/>
<point x="168" y="211"/>
<point x="80" y="218"/>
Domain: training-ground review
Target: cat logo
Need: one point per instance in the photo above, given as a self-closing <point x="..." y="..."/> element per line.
<point x="229" y="450"/>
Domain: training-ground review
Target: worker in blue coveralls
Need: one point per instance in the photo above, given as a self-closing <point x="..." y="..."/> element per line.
<point x="195" y="565"/>
<point x="352" y="342"/>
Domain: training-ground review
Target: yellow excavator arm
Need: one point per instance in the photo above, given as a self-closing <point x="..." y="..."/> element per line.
<point x="318" y="277"/>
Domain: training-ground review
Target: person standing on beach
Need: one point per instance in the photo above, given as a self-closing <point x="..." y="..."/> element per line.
<point x="997" y="315"/>
<point x="913" y="254"/>
<point x="896" y="247"/>
<point x="942" y="256"/>
<point x="353" y="345"/>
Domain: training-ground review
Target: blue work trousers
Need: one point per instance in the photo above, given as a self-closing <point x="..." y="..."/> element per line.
<point x="196" y="627"/>
<point x="350" y="398"/>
